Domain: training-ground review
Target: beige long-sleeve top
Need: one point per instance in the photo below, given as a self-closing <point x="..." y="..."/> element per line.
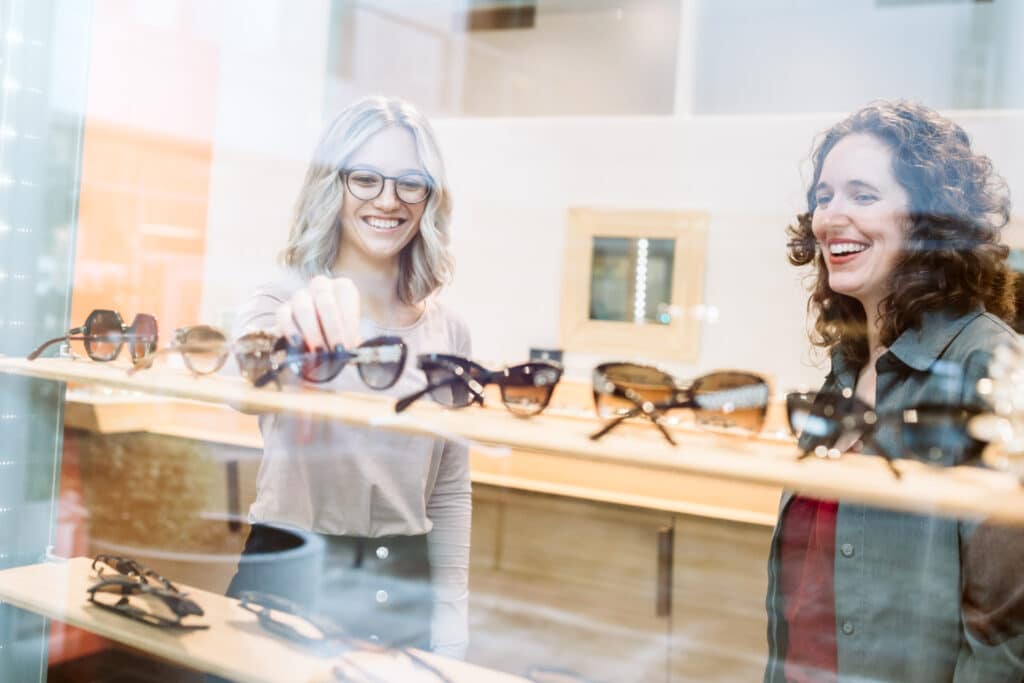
<point x="332" y="478"/>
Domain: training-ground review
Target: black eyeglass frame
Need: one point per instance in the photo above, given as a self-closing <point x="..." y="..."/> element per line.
<point x="853" y="414"/>
<point x="178" y="603"/>
<point x="346" y="178"/>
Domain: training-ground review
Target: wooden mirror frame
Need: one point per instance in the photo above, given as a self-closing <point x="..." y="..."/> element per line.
<point x="677" y="341"/>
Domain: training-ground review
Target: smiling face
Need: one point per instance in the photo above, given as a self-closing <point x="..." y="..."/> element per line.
<point x="860" y="221"/>
<point x="378" y="229"/>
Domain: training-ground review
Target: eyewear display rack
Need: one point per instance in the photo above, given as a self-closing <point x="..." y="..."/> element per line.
<point x="959" y="491"/>
<point x="234" y="645"/>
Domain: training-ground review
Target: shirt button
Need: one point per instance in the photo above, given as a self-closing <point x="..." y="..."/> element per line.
<point x="382" y="552"/>
<point x="382" y="596"/>
<point x="848" y="628"/>
<point x="846" y="549"/>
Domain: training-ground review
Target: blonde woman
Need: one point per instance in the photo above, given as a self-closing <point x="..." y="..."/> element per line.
<point x="367" y="251"/>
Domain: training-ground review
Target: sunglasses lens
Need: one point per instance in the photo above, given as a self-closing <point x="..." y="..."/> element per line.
<point x="387" y="360"/>
<point x="938" y="435"/>
<point x="451" y="391"/>
<point x="526" y="389"/>
<point x="103" y="336"/>
<point x="204" y="349"/>
<point x="143" y="339"/>
<point x="813" y="419"/>
<point x="731" y="399"/>
<point x="319" y="366"/>
<point x="255" y="355"/>
<point x="614" y="383"/>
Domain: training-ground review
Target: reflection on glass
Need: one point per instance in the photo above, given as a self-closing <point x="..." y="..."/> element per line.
<point x="631" y="279"/>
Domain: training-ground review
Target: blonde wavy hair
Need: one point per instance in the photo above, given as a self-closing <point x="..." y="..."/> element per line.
<point x="425" y="264"/>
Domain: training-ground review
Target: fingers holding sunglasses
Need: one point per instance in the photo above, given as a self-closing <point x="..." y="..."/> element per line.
<point x="298" y="319"/>
<point x="328" y="306"/>
<point x="346" y="294"/>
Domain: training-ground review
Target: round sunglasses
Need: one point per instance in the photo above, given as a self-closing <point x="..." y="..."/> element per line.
<point x="104" y="334"/>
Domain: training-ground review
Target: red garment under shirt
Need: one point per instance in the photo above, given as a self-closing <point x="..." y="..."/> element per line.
<point x="808" y="547"/>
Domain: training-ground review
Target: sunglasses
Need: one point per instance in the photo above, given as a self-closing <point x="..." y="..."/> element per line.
<point x="721" y="399"/>
<point x="291" y="621"/>
<point x="457" y="382"/>
<point x="105" y="334"/>
<point x="931" y="433"/>
<point x="380" y="362"/>
<point x="139" y="593"/>
<point x="125" y="566"/>
<point x="205" y="349"/>
<point x="366" y="184"/>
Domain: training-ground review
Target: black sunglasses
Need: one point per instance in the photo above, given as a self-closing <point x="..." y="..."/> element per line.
<point x="205" y="349"/>
<point x="723" y="399"/>
<point x="113" y="593"/>
<point x="456" y="382"/>
<point x="105" y="334"/>
<point x="931" y="433"/>
<point x="125" y="566"/>
<point x="291" y="621"/>
<point x="380" y="361"/>
<point x="367" y="184"/>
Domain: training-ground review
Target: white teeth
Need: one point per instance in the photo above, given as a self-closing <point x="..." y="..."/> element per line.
<point x="383" y="224"/>
<point x="846" y="248"/>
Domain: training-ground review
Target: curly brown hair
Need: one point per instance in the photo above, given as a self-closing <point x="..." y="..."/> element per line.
<point x="952" y="257"/>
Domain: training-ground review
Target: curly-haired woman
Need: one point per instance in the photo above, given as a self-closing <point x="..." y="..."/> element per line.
<point x="911" y="293"/>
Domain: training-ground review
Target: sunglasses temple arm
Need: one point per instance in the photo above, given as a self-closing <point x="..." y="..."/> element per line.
<point x="869" y="438"/>
<point x="269" y="376"/>
<point x="70" y="336"/>
<point x="147" y="360"/>
<point x="407" y="401"/>
<point x="612" y="424"/>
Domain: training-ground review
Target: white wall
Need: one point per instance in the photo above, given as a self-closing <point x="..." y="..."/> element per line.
<point x="514" y="180"/>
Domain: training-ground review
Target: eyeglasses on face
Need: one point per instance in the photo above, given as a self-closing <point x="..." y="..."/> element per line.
<point x="931" y="433"/>
<point x="380" y="362"/>
<point x="457" y="382"/>
<point x="144" y="602"/>
<point x="367" y="184"/>
<point x="105" y="334"/>
<point x="205" y="349"/>
<point x="726" y="399"/>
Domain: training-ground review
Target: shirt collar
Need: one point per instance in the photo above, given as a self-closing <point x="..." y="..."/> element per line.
<point x="917" y="347"/>
<point x="920" y="347"/>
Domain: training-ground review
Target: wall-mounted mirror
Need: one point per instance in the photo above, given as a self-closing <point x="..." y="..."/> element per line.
<point x="633" y="282"/>
<point x="631" y="279"/>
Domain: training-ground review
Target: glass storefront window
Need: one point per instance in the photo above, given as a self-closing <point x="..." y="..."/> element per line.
<point x="510" y="340"/>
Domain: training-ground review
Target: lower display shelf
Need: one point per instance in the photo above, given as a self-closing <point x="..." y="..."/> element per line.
<point x="234" y="646"/>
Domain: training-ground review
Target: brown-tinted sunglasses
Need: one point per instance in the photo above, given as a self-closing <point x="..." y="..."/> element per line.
<point x="724" y="399"/>
<point x="205" y="349"/>
<point x="105" y="334"/>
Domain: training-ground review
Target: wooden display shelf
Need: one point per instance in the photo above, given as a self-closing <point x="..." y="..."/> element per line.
<point x="235" y="646"/>
<point x="704" y="453"/>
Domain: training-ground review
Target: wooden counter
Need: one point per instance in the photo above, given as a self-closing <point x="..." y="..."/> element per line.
<point x="235" y="645"/>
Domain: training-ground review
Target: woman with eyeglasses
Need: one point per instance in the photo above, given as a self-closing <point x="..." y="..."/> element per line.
<point x="911" y="294"/>
<point x="367" y="252"/>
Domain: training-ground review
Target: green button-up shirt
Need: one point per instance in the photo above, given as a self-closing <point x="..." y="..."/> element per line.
<point x="897" y="575"/>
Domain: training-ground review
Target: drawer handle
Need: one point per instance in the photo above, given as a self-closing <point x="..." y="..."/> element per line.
<point x="663" y="598"/>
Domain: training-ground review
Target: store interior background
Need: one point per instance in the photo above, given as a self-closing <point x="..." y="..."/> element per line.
<point x="201" y="118"/>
